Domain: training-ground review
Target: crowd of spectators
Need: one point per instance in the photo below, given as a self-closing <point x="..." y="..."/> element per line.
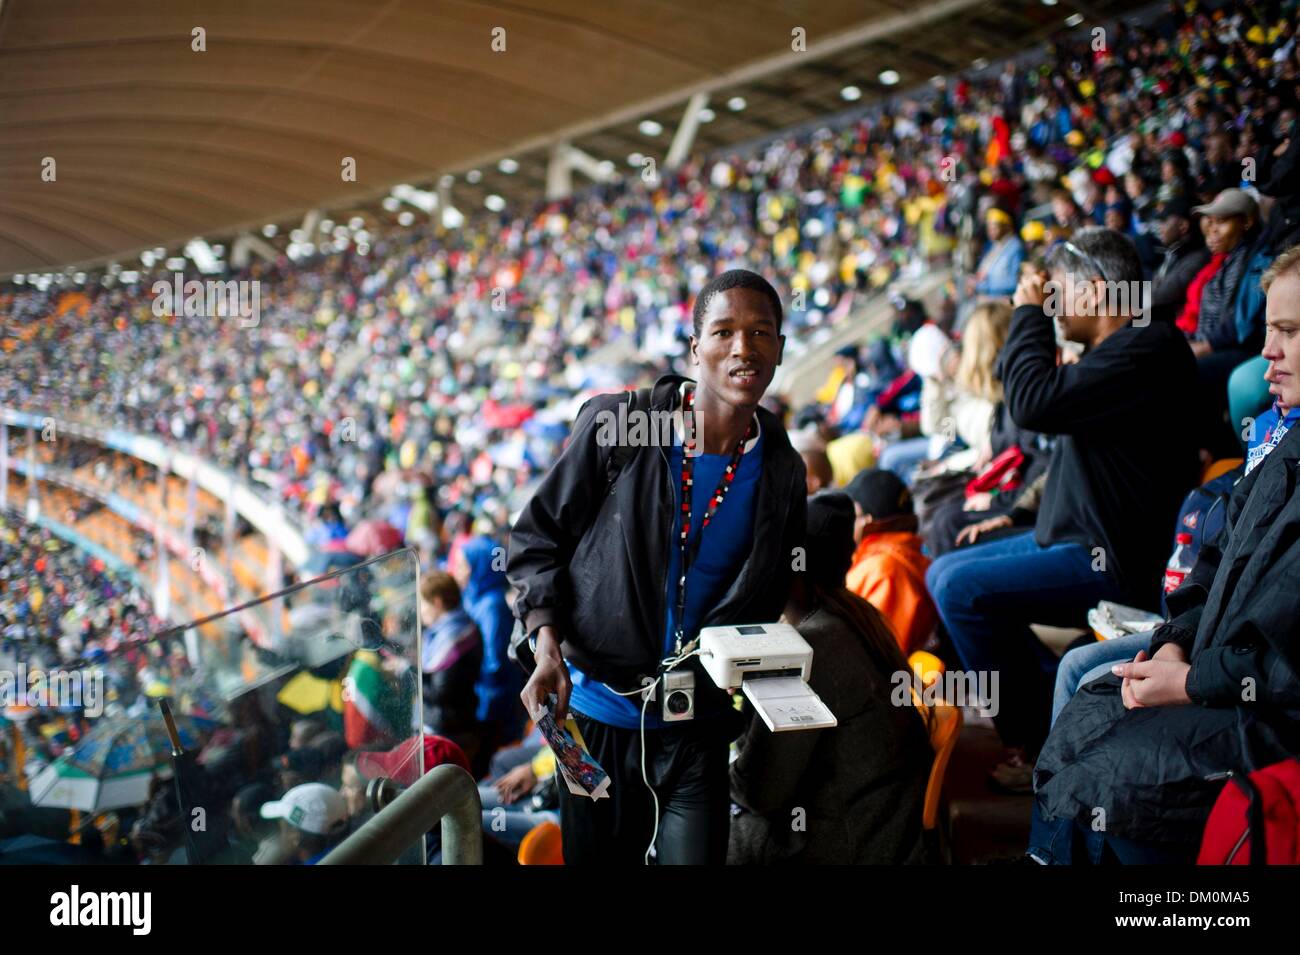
<point x="436" y="373"/>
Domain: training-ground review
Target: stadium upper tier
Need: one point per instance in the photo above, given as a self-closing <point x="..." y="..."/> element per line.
<point x="460" y="352"/>
<point x="142" y="124"/>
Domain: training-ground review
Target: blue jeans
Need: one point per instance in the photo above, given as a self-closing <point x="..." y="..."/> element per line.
<point x="903" y="456"/>
<point x="988" y="595"/>
<point x="509" y="824"/>
<point x="1084" y="664"/>
<point x="1065" y="842"/>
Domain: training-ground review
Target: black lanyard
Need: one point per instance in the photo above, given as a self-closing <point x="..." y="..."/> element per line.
<point x="715" y="500"/>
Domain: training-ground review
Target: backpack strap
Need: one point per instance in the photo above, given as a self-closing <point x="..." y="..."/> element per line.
<point x="622" y="454"/>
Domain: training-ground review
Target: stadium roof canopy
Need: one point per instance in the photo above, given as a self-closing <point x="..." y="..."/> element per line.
<point x="155" y="142"/>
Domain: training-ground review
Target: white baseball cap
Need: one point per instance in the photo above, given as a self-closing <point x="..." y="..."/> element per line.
<point x="311" y="807"/>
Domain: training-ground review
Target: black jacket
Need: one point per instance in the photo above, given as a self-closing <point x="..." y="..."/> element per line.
<point x="1179" y="266"/>
<point x="591" y="558"/>
<point x="860" y="786"/>
<point x="1156" y="771"/>
<point x="1127" y="452"/>
<point x="450" y="698"/>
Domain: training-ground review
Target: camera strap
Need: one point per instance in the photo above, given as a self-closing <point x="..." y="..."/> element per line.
<point x="687" y="549"/>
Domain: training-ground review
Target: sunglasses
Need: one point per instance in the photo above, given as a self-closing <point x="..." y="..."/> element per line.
<point x="1079" y="253"/>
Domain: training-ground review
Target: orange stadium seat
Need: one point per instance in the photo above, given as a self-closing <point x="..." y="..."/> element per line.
<point x="542" y="846"/>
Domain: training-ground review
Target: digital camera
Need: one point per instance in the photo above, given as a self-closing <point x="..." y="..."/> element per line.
<point x="679" y="695"/>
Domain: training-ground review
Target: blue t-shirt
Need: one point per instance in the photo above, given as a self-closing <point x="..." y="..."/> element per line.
<point x="722" y="552"/>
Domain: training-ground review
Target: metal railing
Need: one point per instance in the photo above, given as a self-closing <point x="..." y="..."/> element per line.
<point x="447" y="795"/>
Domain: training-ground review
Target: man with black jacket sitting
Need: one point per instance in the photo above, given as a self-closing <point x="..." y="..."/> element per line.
<point x="1185" y="255"/>
<point x="637" y="538"/>
<point x="1124" y="457"/>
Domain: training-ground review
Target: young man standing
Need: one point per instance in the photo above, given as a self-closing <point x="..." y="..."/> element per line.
<point x="637" y="538"/>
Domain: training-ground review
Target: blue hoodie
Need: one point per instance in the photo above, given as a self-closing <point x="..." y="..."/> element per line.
<point x="499" y="681"/>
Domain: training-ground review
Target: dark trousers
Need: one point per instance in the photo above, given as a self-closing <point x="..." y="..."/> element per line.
<point x="686" y="765"/>
<point x="1065" y="842"/>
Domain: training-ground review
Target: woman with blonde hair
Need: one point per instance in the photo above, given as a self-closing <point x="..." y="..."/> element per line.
<point x="959" y="392"/>
<point x="960" y="402"/>
<point x="970" y="408"/>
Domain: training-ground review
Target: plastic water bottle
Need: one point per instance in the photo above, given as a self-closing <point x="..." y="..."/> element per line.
<point x="1180" y="563"/>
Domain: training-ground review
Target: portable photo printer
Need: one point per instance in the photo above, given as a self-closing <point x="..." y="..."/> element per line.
<point x="770" y="663"/>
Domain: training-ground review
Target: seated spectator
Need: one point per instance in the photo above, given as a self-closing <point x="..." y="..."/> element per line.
<point x="999" y="267"/>
<point x="1066" y="217"/>
<point x="1118" y="473"/>
<point x="1001" y="498"/>
<point x="451" y="658"/>
<point x="849" y="454"/>
<point x="862" y="784"/>
<point x="1229" y="325"/>
<point x="1184" y="256"/>
<point x="1175" y="178"/>
<point x="250" y="840"/>
<point x="1220" y="170"/>
<point x="518" y="794"/>
<point x="313" y="820"/>
<point x="932" y="358"/>
<point x="821" y="475"/>
<point x="894" y="395"/>
<point x="887" y="567"/>
<point x="1022" y="513"/>
<point x="303" y="731"/>
<point x="812" y="448"/>
<point x="959" y="404"/>
<point x="1130" y="744"/>
<point x="479" y="569"/>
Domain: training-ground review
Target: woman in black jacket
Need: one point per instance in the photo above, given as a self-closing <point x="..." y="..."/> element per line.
<point x="1134" y="764"/>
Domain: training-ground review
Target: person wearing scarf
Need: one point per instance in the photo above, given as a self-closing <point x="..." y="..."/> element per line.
<point x="451" y="657"/>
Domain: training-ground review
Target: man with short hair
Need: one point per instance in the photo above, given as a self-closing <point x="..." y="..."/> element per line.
<point x="624" y="553"/>
<point x="1124" y="458"/>
<point x="1185" y="254"/>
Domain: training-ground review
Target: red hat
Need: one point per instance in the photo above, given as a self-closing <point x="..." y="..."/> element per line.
<point x="400" y="765"/>
<point x="1103" y="177"/>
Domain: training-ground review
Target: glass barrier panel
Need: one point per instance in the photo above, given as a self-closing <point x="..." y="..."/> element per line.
<point x="285" y="709"/>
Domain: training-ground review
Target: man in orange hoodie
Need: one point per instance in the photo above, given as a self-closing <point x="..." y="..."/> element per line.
<point x="888" y="567"/>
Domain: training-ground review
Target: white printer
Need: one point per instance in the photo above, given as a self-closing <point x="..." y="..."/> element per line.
<point x="770" y="663"/>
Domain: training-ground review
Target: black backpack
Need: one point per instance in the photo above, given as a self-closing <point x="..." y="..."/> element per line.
<point x="619" y="458"/>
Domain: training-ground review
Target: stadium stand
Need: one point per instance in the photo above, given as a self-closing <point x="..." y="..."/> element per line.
<point x="425" y="379"/>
